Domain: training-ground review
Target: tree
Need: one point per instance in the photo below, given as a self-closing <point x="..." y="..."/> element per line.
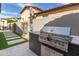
<point x="9" y="20"/>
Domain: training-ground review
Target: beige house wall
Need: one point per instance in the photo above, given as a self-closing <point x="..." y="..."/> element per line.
<point x="40" y="21"/>
<point x="26" y="17"/>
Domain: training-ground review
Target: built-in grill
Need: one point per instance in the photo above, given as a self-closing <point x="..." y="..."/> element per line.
<point x="56" y="37"/>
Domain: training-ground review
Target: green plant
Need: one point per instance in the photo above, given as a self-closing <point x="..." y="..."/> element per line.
<point x="10" y="20"/>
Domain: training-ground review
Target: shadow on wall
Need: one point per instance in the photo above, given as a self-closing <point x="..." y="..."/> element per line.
<point x="70" y="20"/>
<point x="17" y="30"/>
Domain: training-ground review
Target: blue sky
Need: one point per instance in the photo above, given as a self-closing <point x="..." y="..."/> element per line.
<point x="13" y="9"/>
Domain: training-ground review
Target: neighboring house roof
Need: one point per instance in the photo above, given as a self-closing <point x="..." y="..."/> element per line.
<point x="55" y="10"/>
<point x="29" y="7"/>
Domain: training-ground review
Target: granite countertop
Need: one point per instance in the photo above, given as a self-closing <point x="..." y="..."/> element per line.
<point x="36" y="32"/>
<point x="75" y="39"/>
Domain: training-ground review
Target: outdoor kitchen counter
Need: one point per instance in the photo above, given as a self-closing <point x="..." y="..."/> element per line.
<point x="37" y="32"/>
<point x="75" y="40"/>
<point x="34" y="43"/>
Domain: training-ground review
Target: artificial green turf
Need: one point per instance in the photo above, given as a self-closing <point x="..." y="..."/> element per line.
<point x="3" y="42"/>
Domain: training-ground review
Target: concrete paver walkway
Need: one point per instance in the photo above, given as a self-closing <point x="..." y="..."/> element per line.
<point x="12" y="38"/>
<point x="17" y="50"/>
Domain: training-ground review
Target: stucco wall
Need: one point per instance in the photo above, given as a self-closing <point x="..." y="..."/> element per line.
<point x="40" y="21"/>
<point x="25" y="17"/>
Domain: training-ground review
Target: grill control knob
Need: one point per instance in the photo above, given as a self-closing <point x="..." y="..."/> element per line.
<point x="49" y="39"/>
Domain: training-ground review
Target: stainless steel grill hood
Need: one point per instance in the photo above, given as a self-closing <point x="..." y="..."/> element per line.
<point x="57" y="30"/>
<point x="57" y="37"/>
